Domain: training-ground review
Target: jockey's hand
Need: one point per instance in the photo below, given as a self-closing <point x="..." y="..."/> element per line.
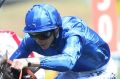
<point x="19" y="63"/>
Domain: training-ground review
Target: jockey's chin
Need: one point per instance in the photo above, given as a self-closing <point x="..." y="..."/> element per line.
<point x="44" y="47"/>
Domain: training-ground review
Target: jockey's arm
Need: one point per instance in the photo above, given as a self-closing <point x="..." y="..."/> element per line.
<point x="62" y="62"/>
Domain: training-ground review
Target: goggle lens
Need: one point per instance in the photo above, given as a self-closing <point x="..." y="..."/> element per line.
<point x="41" y="35"/>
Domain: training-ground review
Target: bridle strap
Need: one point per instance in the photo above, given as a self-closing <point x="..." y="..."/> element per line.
<point x="20" y="76"/>
<point x="29" y="72"/>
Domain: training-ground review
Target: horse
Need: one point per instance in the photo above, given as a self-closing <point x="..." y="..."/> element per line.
<point x="7" y="72"/>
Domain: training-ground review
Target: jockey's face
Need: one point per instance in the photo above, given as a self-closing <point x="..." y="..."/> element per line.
<point x="45" y="43"/>
<point x="44" y="39"/>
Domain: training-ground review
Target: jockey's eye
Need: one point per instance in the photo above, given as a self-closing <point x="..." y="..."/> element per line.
<point x="41" y="35"/>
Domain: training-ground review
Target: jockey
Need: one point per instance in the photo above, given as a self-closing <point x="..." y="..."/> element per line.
<point x="68" y="45"/>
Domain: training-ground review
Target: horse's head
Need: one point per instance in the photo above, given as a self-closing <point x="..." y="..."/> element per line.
<point x="5" y="70"/>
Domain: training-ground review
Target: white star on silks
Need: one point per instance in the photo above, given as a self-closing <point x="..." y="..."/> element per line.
<point x="33" y="24"/>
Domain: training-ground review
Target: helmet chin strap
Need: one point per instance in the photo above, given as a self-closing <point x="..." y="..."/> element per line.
<point x="55" y="36"/>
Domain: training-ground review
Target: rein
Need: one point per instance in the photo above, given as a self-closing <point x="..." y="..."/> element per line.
<point x="26" y="70"/>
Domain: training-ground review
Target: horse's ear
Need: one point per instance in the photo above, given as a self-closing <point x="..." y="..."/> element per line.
<point x="6" y="54"/>
<point x="3" y="57"/>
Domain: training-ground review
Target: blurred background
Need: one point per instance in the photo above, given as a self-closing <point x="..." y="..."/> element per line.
<point x="12" y="17"/>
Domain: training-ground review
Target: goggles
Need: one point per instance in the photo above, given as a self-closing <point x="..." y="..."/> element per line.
<point x="41" y="35"/>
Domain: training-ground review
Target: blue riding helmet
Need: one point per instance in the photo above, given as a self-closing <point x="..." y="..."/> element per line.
<point x="42" y="17"/>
